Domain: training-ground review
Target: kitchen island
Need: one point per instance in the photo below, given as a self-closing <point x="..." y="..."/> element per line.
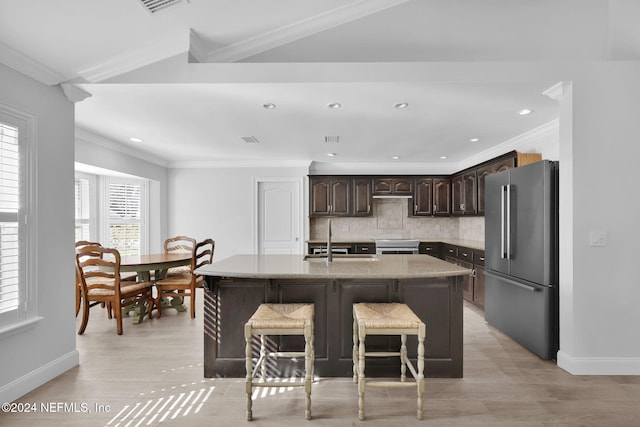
<point x="236" y="286"/>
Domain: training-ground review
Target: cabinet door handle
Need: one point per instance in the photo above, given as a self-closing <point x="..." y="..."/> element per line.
<point x="415" y="207"/>
<point x="435" y="208"/>
<point x="364" y="249"/>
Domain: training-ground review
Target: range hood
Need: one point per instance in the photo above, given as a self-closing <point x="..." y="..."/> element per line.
<point x="393" y="196"/>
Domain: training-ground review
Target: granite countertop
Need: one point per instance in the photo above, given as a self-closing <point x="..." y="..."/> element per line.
<point x="472" y="244"/>
<point x="345" y="267"/>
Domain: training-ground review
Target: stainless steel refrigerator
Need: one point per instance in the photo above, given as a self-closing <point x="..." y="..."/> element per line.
<point x="521" y="255"/>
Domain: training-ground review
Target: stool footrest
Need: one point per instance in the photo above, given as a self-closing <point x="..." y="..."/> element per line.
<point x="278" y="384"/>
<point x="382" y="353"/>
<point x="389" y="384"/>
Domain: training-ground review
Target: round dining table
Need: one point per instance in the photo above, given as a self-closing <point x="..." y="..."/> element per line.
<point x="159" y="264"/>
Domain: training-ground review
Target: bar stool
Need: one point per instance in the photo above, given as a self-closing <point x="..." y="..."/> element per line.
<point x="279" y="319"/>
<point x="387" y="319"/>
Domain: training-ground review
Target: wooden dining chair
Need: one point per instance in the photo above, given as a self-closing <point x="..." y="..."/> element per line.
<point x="123" y="276"/>
<point x="99" y="271"/>
<point x="175" y="245"/>
<point x="185" y="283"/>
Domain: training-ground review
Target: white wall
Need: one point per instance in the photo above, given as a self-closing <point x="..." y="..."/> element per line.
<point x="32" y="357"/>
<point x="101" y="155"/>
<point x="600" y="315"/>
<point x="219" y="203"/>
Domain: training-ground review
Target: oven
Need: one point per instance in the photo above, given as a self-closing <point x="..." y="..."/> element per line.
<point x="397" y="246"/>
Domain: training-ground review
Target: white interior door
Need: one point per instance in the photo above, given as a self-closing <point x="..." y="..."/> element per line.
<point x="279" y="217"/>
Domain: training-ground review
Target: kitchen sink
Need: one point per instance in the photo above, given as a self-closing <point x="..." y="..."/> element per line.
<point x="342" y="258"/>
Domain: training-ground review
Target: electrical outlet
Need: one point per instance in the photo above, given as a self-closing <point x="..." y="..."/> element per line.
<point x="597" y="238"/>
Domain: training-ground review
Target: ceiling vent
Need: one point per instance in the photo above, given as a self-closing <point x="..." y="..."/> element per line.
<point x="152" y="6"/>
<point x="332" y="138"/>
<point x="250" y="139"/>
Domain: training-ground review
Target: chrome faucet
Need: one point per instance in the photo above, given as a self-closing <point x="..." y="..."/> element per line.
<point x="329" y="248"/>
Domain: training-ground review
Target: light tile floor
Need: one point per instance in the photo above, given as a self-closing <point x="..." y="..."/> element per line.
<point x="153" y="376"/>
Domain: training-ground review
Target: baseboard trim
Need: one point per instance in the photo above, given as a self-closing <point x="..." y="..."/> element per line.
<point x="34" y="379"/>
<point x="599" y="365"/>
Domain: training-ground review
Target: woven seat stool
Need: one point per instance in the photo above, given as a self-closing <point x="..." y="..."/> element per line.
<point x="279" y="319"/>
<point x="387" y="319"/>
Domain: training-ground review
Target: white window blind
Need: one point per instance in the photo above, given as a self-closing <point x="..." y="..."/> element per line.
<point x="126" y="201"/>
<point x="83" y="209"/>
<point x="10" y="289"/>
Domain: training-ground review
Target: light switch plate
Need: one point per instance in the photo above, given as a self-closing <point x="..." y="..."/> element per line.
<point x="597" y="238"/>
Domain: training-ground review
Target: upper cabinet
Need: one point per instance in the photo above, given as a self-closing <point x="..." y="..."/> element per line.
<point x="330" y="196"/>
<point x="464" y="193"/>
<point x="362" y="196"/>
<point x="393" y="186"/>
<point x="432" y="197"/>
<point x="461" y="194"/>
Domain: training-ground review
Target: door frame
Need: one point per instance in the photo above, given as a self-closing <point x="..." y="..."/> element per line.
<point x="299" y="182"/>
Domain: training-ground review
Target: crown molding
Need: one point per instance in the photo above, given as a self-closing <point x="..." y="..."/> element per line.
<point x="29" y="67"/>
<point x="297" y="30"/>
<point x="556" y="92"/>
<point x="323" y="168"/>
<point x="218" y="164"/>
<point x="541" y="132"/>
<point x="74" y="93"/>
<point x="111" y="144"/>
<point x="132" y="60"/>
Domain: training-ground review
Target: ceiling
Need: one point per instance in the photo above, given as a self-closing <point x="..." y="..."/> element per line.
<point x="143" y="72"/>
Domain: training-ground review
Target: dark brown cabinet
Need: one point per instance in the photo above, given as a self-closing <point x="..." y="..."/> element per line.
<point x="464" y="193"/>
<point x="473" y="259"/>
<point x="478" y="278"/>
<point x="488" y="169"/>
<point x="431" y="248"/>
<point x="362" y="196"/>
<point x="441" y="197"/>
<point x="230" y="302"/>
<point x="393" y="185"/>
<point x="423" y="197"/>
<point x="364" y="248"/>
<point x="330" y="196"/>
<point x="499" y="164"/>
<point x="432" y="197"/>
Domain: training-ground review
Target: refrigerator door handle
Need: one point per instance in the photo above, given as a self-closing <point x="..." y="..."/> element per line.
<point x="503" y="246"/>
<point x="508" y="190"/>
<point x="518" y="284"/>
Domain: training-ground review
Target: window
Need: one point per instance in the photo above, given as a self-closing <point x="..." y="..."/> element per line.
<point x="126" y="227"/>
<point x="16" y="300"/>
<point x="83" y="211"/>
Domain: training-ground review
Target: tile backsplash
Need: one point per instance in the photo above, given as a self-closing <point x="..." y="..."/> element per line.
<point x="390" y="220"/>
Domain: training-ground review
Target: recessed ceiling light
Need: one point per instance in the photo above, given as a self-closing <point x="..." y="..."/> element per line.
<point x="395" y="157"/>
<point x="474" y="139"/>
<point x="525" y="111"/>
<point x="334" y="105"/>
<point x="269" y="106"/>
<point x="331" y="154"/>
<point x="443" y="157"/>
<point x="134" y="139"/>
<point x="401" y="105"/>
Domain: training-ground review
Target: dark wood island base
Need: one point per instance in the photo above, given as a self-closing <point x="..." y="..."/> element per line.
<point x="230" y="302"/>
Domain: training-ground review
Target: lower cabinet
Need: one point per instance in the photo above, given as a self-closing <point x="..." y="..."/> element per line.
<point x="473" y="259"/>
<point x="229" y="303"/>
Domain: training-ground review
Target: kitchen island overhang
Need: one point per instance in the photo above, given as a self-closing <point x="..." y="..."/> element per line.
<point x="236" y="286"/>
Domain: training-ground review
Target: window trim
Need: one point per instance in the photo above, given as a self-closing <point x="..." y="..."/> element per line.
<point x="28" y="142"/>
